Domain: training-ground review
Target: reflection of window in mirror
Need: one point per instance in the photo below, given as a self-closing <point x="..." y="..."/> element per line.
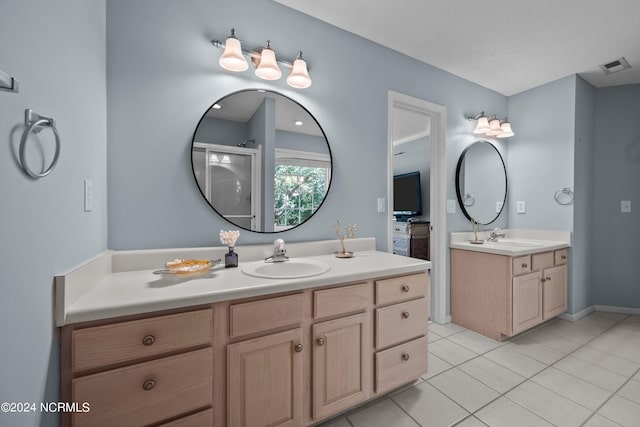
<point x="301" y="180"/>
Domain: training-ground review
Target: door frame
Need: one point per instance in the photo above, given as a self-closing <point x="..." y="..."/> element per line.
<point x="437" y="193"/>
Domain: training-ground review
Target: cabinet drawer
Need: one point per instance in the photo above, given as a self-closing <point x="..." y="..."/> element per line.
<point x="199" y="419"/>
<point x="347" y="299"/>
<point x="263" y="315"/>
<point x="560" y="256"/>
<point x="522" y="265"/>
<point x="401" y="322"/>
<point x="401" y="364"/>
<point x="401" y="288"/>
<point x="541" y="261"/>
<point x="146" y="393"/>
<point x="127" y="341"/>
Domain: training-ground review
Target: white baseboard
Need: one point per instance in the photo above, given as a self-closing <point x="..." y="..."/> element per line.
<point x="606" y="308"/>
<point x="612" y="309"/>
<point x="579" y="315"/>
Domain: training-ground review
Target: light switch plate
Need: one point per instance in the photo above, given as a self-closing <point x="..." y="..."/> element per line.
<point x="499" y="206"/>
<point x="625" y="206"/>
<point x="521" y="207"/>
<point x="451" y="206"/>
<point x="381" y="207"/>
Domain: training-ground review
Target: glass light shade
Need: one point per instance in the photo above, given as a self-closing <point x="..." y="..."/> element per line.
<point x="232" y="58"/>
<point x="494" y="128"/>
<point x="299" y="77"/>
<point x="506" y="130"/>
<point x="482" y="126"/>
<point x="268" y="67"/>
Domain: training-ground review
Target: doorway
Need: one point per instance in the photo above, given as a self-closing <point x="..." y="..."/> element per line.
<point x="424" y="125"/>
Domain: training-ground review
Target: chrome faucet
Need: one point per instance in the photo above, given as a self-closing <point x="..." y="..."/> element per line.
<point x="279" y="252"/>
<point x="494" y="234"/>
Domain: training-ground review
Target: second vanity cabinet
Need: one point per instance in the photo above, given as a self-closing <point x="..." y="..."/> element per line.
<point x="500" y="296"/>
<point x="289" y="359"/>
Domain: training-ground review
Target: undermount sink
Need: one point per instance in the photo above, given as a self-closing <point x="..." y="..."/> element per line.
<point x="508" y="243"/>
<point x="292" y="269"/>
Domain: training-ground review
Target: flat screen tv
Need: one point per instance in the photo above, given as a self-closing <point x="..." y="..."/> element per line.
<point x="407" y="195"/>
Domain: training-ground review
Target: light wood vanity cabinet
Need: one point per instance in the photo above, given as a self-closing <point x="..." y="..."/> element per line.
<point x="500" y="296"/>
<point x="280" y="360"/>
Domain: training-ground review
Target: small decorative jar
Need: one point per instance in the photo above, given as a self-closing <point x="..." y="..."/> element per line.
<point x="230" y="258"/>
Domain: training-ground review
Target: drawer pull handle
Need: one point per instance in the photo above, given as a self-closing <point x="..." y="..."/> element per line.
<point x="405" y="357"/>
<point x="405" y="314"/>
<point x="524" y="265"/>
<point x="148" y="340"/>
<point x="149" y="385"/>
<point x="563" y="257"/>
<point x="298" y="348"/>
<point x="320" y="342"/>
<point x="405" y="288"/>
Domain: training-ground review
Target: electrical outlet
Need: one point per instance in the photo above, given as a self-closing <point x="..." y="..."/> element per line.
<point x="88" y="195"/>
<point x="521" y="207"/>
<point x="451" y="206"/>
<point x="499" y="207"/>
<point x="381" y="205"/>
<point x="625" y="206"/>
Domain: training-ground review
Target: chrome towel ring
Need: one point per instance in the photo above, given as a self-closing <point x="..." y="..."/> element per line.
<point x="35" y="123"/>
<point x="564" y="196"/>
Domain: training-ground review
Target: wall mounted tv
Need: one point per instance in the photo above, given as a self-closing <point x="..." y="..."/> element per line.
<point x="407" y="195"/>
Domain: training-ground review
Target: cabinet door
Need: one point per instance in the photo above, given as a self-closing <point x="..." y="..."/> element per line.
<point x="341" y="364"/>
<point x="527" y="301"/>
<point x="265" y="381"/>
<point x="554" y="291"/>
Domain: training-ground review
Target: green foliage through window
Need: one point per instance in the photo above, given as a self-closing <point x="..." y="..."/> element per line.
<point x="299" y="190"/>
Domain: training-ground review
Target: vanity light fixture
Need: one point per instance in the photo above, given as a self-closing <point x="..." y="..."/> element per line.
<point x="233" y="58"/>
<point x="491" y="126"/>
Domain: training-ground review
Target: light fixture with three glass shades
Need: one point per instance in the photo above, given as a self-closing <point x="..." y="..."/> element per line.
<point x="492" y="126"/>
<point x="234" y="58"/>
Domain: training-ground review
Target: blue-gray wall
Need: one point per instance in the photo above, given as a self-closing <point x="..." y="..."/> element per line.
<point x="616" y="235"/>
<point x="163" y="74"/>
<point x="581" y="289"/>
<point x="57" y="51"/>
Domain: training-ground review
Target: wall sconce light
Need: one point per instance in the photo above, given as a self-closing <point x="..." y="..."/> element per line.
<point x="264" y="60"/>
<point x="492" y="126"/>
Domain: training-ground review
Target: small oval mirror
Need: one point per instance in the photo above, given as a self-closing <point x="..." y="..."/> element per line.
<point x="261" y="161"/>
<point x="481" y="182"/>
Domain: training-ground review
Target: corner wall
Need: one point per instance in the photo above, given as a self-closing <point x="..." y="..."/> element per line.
<point x="57" y="52"/>
<point x="616" y="235"/>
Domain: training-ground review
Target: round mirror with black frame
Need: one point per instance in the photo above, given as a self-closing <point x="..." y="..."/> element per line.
<point x="481" y="182"/>
<point x="261" y="160"/>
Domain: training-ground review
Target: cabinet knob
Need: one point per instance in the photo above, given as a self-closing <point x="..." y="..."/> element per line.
<point x="405" y="357"/>
<point x="405" y="314"/>
<point x="149" y="385"/>
<point x="542" y="279"/>
<point x="148" y="340"/>
<point x="548" y="278"/>
<point x="405" y="288"/>
<point x="525" y="265"/>
<point x="298" y="348"/>
<point x="563" y="257"/>
<point x="320" y="342"/>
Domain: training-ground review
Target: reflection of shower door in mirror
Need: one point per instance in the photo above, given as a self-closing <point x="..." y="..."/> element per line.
<point x="232" y="183"/>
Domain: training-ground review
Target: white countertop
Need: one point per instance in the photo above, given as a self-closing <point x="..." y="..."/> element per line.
<point x="515" y="243"/>
<point x="95" y="291"/>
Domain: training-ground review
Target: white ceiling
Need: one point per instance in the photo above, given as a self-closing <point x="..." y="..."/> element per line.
<point x="505" y="45"/>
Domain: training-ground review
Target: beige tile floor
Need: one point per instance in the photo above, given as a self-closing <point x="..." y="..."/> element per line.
<point x="583" y="373"/>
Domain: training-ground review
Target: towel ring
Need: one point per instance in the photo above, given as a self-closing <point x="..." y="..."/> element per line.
<point x="564" y="196"/>
<point x="35" y="123"/>
<point x="469" y="200"/>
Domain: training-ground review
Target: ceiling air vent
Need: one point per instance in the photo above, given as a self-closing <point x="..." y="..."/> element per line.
<point x="615" y="66"/>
